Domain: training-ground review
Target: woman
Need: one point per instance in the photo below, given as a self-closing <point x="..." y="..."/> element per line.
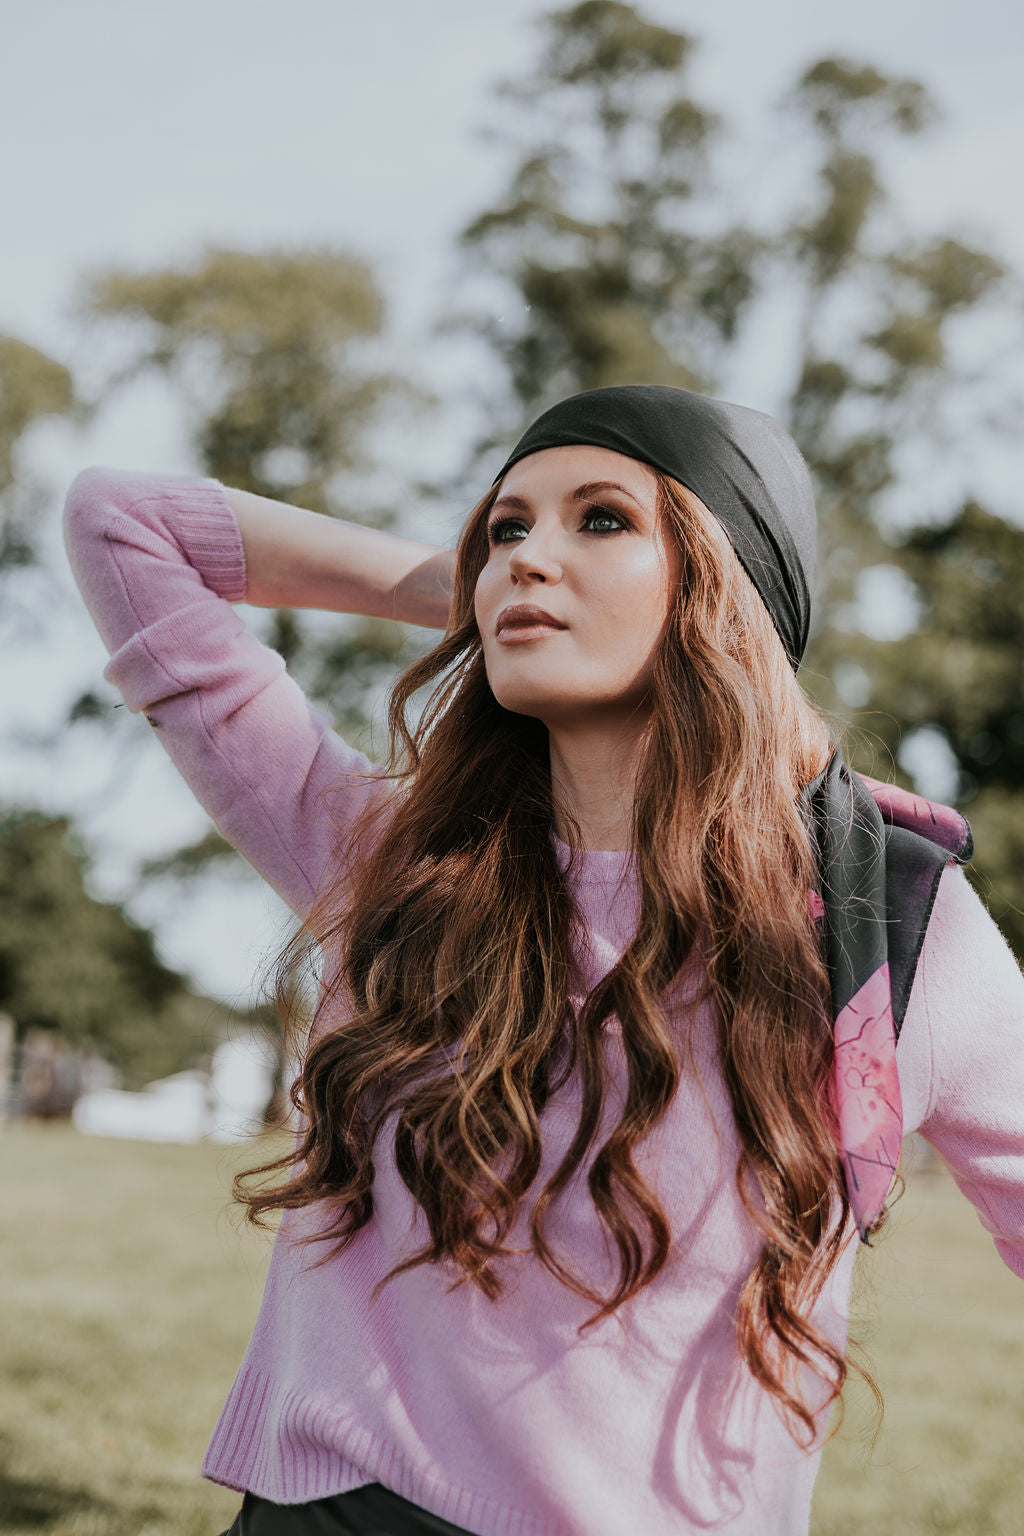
<point x="603" y="1079"/>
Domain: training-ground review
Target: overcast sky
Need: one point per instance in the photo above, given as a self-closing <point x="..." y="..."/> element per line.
<point x="136" y="133"/>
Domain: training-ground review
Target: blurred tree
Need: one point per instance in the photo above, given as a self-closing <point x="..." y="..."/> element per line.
<point x="961" y="673"/>
<point x="889" y="382"/>
<point x="32" y="386"/>
<point x="615" y="264"/>
<point x="874" y="372"/>
<point x="605" y="281"/>
<point x="79" y="968"/>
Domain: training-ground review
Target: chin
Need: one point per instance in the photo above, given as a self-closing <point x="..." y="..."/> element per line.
<point x="554" y="710"/>
<point x="562" y="701"/>
<point x="522" y="702"/>
<point x="569" y="708"/>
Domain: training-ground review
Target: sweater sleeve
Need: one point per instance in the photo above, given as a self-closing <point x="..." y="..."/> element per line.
<point x="159" y="561"/>
<point x="968" y="1032"/>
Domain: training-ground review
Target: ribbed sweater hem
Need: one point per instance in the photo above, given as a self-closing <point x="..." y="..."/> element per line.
<point x="213" y="541"/>
<point x="290" y="1449"/>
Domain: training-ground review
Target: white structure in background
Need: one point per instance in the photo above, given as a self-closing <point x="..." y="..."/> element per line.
<point x="241" y="1083"/>
<point x="226" y="1105"/>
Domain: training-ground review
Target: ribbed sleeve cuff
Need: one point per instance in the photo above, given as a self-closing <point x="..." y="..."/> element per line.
<point x="207" y="528"/>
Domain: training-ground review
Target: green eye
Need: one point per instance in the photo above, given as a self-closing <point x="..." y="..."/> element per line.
<point x="604" y="520"/>
<point x="507" y="530"/>
<point x="499" y="530"/>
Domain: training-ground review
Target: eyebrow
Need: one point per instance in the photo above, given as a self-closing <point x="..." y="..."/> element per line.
<point x="581" y="493"/>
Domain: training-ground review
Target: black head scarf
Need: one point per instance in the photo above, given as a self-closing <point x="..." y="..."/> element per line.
<point x="743" y="465"/>
<point x="880" y="850"/>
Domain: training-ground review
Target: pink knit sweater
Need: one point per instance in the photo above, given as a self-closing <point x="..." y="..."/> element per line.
<point x="498" y="1416"/>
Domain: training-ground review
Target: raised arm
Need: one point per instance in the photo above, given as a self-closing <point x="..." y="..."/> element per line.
<point x="963" y="1050"/>
<point x="299" y="559"/>
<point x="159" y="560"/>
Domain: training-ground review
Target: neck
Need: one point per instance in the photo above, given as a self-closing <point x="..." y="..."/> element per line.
<point x="593" y="779"/>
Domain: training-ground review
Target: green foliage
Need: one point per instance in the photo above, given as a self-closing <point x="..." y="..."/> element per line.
<point x="591" y="235"/>
<point x="829" y="239"/>
<point x="931" y="285"/>
<point x="883" y="388"/>
<point x="961" y="672"/>
<point x="963" y="668"/>
<point x="262" y="345"/>
<point x="192" y="859"/>
<point x="80" y="968"/>
<point x="32" y="386"/>
<point x="606" y="43"/>
<point x="842" y="96"/>
<point x="998" y="827"/>
<point x="950" y="275"/>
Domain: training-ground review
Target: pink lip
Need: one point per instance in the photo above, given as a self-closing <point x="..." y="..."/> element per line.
<point x="522" y="617"/>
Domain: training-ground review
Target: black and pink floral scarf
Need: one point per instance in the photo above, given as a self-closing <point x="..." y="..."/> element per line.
<point x="881" y="853"/>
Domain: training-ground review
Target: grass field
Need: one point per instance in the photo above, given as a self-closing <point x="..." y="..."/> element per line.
<point x="128" y="1293"/>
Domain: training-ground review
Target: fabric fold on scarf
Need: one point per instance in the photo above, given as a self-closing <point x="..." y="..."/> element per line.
<point x="881" y="852"/>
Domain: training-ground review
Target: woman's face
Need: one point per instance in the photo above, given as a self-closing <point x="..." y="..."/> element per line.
<point x="576" y="590"/>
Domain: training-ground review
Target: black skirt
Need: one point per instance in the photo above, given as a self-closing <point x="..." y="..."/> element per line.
<point x="372" y="1510"/>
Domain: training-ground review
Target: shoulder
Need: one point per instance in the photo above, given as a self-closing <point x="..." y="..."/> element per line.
<point x="963" y="933"/>
<point x="966" y="1011"/>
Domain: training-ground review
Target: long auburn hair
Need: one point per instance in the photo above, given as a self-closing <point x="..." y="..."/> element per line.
<point x="448" y="999"/>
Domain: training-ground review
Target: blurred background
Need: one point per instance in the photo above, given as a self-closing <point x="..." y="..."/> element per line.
<point x="340" y="255"/>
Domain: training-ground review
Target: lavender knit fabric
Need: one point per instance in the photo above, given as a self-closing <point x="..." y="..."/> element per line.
<point x="499" y="1416"/>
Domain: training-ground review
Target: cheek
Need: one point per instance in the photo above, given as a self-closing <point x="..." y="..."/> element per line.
<point x="480" y="598"/>
<point x="489" y="596"/>
<point x="664" y="589"/>
<point x="637" y="603"/>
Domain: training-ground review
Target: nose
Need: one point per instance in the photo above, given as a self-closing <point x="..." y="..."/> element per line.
<point x="534" y="558"/>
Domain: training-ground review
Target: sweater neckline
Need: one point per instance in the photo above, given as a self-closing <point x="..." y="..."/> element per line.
<point x="594" y="864"/>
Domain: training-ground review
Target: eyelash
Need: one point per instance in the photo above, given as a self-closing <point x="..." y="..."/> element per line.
<point x="498" y="526"/>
